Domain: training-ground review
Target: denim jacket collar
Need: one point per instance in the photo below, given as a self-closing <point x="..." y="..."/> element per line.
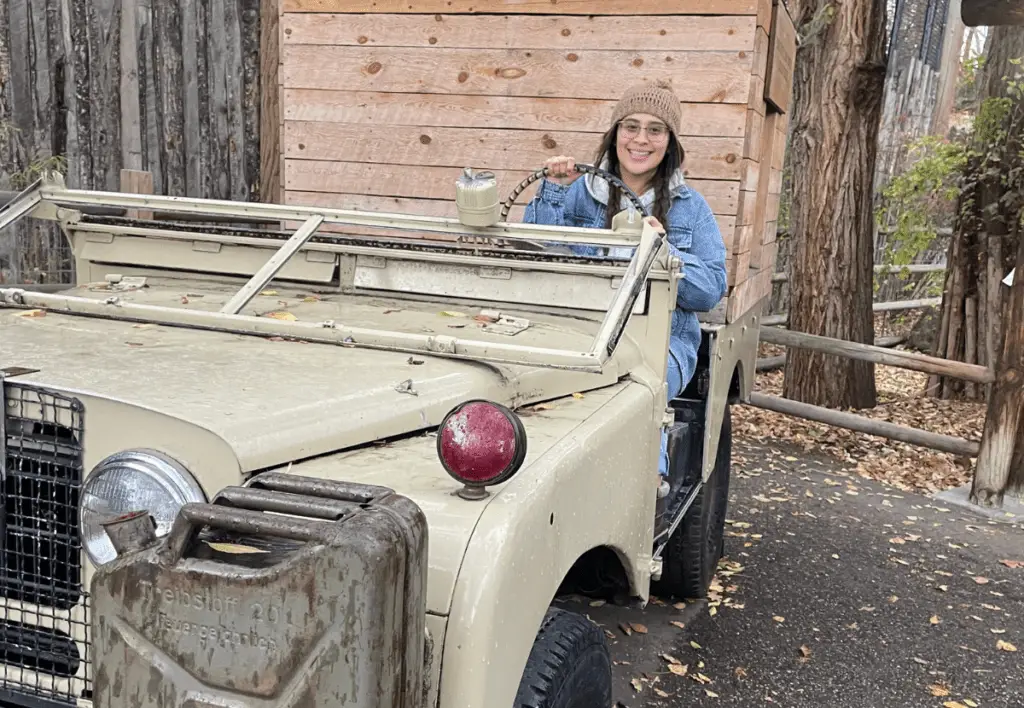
<point x="598" y="188"/>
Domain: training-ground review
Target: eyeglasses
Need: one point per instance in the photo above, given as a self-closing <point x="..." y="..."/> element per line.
<point x="656" y="132"/>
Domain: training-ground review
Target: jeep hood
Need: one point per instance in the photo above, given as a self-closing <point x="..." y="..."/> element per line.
<point x="273" y="402"/>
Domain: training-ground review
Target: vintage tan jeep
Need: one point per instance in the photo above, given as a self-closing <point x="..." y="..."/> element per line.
<point x="511" y="393"/>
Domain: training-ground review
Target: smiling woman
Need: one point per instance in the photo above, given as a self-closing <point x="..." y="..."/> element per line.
<point x="642" y="148"/>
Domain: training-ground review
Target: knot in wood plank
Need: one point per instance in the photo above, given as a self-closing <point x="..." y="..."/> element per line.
<point x="511" y="72"/>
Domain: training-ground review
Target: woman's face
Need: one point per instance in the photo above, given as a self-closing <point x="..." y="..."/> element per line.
<point x="641" y="144"/>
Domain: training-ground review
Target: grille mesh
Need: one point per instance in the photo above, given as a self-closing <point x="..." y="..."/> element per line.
<point x="43" y="605"/>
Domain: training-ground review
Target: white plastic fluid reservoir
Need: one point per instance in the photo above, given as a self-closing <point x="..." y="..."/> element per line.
<point x="476" y="198"/>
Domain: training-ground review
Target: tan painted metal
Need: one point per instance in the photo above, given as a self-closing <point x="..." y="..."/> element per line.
<point x="381" y="339"/>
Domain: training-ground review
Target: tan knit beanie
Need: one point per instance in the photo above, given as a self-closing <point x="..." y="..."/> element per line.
<point x="655" y="98"/>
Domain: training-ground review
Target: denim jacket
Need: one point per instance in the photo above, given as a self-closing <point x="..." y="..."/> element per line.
<point x="693" y="236"/>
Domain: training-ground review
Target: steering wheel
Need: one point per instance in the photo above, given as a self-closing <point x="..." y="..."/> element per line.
<point x="604" y="174"/>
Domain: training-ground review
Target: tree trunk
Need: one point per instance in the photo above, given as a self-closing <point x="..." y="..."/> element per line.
<point x="838" y="88"/>
<point x="986" y="224"/>
<point x="999" y="470"/>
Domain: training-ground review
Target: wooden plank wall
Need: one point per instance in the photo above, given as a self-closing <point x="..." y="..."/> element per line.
<point x="382" y="111"/>
<point x="171" y="87"/>
<point x="384" y="103"/>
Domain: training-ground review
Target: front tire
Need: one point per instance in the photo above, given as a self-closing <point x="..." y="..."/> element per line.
<point x="692" y="553"/>
<point x="569" y="665"/>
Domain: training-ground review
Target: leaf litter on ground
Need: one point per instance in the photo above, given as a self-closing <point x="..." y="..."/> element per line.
<point x="901" y="400"/>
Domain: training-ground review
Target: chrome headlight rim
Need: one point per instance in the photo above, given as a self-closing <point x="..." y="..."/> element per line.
<point x="163" y="469"/>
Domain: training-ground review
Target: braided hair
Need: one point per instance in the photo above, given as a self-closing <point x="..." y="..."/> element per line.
<point x="673" y="160"/>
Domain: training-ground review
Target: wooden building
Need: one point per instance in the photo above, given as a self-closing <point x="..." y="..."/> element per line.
<point x="383" y="103"/>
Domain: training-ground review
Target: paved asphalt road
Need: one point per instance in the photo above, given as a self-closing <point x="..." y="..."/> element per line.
<point x="850" y="594"/>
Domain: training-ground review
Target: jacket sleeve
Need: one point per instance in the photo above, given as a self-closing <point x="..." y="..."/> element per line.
<point x="551" y="206"/>
<point x="702" y="251"/>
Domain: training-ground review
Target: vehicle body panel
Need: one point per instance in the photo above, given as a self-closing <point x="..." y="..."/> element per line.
<point x="412" y="469"/>
<point x="277" y="401"/>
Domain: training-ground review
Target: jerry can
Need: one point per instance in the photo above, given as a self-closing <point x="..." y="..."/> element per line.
<point x="288" y="591"/>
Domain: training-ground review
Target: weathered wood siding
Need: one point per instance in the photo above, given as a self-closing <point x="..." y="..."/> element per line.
<point x="167" y="86"/>
<point x="384" y="103"/>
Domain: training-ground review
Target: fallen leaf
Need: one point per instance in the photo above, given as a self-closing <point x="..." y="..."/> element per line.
<point x="451" y="313"/>
<point x="938" y="690"/>
<point x="952" y="704"/>
<point x="1012" y="563"/>
<point x="269" y="292"/>
<point x="680" y="625"/>
<point x="711" y="694"/>
<point x="680" y="605"/>
<point x="970" y="703"/>
<point x="779" y="619"/>
<point x="740" y="672"/>
<point x="678" y="669"/>
<point x="658" y="692"/>
<point x="1005" y="646"/>
<point x="598" y="603"/>
<point x="638" y="628"/>
<point x="626" y="629"/>
<point x="694" y="644"/>
<point x="980" y="580"/>
<point x="637" y="685"/>
<point x="670" y="659"/>
<point x="32" y="313"/>
<point x="805" y="650"/>
<point x="578" y="396"/>
<point x="998" y="631"/>
<point x="944" y="588"/>
<point x="282" y="316"/>
<point x="934" y="619"/>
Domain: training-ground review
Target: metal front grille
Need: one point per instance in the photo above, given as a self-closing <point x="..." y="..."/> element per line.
<point x="44" y="622"/>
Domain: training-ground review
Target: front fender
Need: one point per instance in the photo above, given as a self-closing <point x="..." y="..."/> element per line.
<point x="594" y="487"/>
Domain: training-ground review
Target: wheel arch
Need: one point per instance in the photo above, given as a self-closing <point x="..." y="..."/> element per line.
<point x="574" y="510"/>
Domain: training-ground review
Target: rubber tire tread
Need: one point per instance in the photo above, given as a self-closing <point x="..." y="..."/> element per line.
<point x="569" y="665"/>
<point x="692" y="554"/>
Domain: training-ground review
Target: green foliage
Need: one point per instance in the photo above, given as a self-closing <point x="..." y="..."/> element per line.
<point x="970" y="67"/>
<point x="916" y="202"/>
<point x="997" y="154"/>
<point x="916" y="199"/>
<point x="10" y="135"/>
<point x="35" y="169"/>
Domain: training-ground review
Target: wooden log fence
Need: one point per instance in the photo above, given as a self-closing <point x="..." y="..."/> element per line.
<point x="878" y="355"/>
<point x="863" y="424"/>
<point x="771" y="363"/>
<point x="911" y="268"/>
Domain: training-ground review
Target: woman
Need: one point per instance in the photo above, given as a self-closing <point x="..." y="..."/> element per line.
<point x="642" y="148"/>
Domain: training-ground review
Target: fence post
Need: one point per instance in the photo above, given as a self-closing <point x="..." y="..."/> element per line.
<point x="995" y="473"/>
<point x="137" y="182"/>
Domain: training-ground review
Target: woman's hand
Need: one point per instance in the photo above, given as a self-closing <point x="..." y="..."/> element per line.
<point x="655" y="224"/>
<point x="562" y="170"/>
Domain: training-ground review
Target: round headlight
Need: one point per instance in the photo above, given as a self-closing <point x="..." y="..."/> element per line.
<point x="133" y="480"/>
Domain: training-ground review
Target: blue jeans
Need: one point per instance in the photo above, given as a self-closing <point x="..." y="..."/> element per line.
<point x="674" y="378"/>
